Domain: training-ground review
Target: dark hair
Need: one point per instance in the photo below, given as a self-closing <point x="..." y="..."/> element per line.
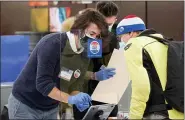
<point x="88" y="16"/>
<point x="107" y="8"/>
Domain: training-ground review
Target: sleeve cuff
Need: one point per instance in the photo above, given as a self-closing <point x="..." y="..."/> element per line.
<point x="48" y="89"/>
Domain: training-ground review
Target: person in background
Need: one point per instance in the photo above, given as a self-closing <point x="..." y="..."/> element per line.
<point x="107" y="8"/>
<point x="110" y="11"/>
<point x="139" y="51"/>
<point x="67" y="24"/>
<point x="36" y="93"/>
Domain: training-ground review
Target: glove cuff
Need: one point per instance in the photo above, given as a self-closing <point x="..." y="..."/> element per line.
<point x="93" y="76"/>
<point x="70" y="100"/>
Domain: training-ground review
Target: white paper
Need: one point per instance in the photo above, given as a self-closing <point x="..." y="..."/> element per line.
<point x="110" y="91"/>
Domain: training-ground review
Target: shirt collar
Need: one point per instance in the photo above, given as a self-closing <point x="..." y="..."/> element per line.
<point x="73" y="44"/>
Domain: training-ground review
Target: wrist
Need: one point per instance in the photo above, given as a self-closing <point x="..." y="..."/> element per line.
<point x="64" y="97"/>
<point x="93" y="76"/>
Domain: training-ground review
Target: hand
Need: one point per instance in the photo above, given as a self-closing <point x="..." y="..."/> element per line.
<point x="79" y="98"/>
<point x="105" y="74"/>
<point x="82" y="106"/>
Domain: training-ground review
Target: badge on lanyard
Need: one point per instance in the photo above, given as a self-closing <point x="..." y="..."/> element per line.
<point x="65" y="74"/>
<point x="94" y="48"/>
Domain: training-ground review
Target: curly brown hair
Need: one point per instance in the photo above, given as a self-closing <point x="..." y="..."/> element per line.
<point x="87" y="17"/>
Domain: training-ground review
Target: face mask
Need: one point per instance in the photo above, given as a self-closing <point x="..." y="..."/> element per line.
<point x="87" y="35"/>
<point x="125" y="38"/>
<point x="122" y="44"/>
<point x="84" y="41"/>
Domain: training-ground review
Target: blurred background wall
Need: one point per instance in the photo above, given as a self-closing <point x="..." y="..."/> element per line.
<point x="166" y="17"/>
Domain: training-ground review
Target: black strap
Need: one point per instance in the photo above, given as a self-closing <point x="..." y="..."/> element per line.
<point x="148" y="33"/>
<point x="162" y="40"/>
<point x="156" y="83"/>
<point x="161" y="107"/>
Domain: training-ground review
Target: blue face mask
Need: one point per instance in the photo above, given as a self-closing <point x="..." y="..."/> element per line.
<point x="122" y="44"/>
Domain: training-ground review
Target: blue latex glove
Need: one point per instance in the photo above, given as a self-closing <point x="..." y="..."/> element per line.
<point x="82" y="106"/>
<point x="105" y="73"/>
<point x="79" y="98"/>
